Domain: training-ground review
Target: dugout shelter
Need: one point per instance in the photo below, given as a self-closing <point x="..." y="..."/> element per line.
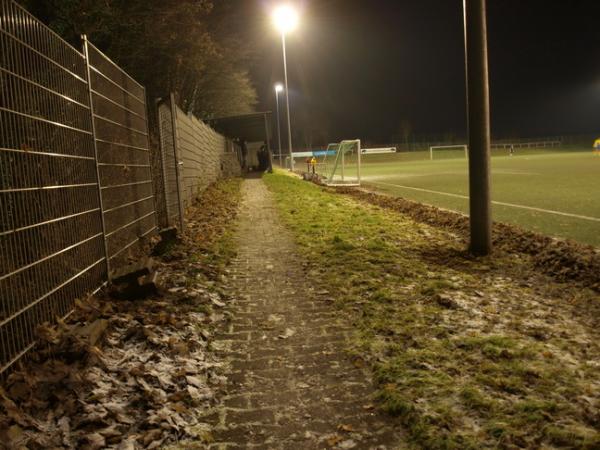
<point x="254" y="129"/>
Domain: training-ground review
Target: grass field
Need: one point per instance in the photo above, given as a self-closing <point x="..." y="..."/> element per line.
<point x="554" y="192"/>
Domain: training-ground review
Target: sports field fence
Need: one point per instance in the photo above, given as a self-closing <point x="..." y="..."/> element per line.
<point x="77" y="186"/>
<point x="559" y="141"/>
<point x="192" y="155"/>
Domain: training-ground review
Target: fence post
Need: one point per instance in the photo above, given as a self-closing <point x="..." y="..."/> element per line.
<point x="163" y="160"/>
<point x="178" y="163"/>
<point x="96" y="158"/>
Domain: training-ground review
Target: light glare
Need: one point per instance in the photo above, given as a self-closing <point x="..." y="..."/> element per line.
<point x="285" y="19"/>
<point x="279" y="87"/>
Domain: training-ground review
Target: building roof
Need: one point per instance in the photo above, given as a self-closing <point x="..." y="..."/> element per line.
<point x="253" y="127"/>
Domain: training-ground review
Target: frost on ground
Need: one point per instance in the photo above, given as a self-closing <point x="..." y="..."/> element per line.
<point x="562" y="259"/>
<point x="467" y="352"/>
<point x="131" y="374"/>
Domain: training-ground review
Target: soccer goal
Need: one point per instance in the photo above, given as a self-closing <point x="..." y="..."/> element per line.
<point x="342" y="164"/>
<point x="448" y="151"/>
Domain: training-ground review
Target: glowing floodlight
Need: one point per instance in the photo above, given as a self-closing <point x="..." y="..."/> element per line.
<point x="285" y="19"/>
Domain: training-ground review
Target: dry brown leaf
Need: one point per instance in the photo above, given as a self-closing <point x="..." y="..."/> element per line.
<point x="152" y="436"/>
<point x="128" y="444"/>
<point x="95" y="441"/>
<point x="111" y="431"/>
<point x="334" y="440"/>
<point x="12" y="411"/>
<point x="195" y="381"/>
<point x="15" y="437"/>
<point x="76" y="386"/>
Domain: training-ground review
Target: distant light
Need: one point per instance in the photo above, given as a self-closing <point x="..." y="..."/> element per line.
<point x="285" y="19"/>
<point x="279" y="87"/>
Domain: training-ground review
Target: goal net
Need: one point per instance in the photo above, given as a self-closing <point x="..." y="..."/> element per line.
<point x="341" y="165"/>
<point x="448" y="151"/>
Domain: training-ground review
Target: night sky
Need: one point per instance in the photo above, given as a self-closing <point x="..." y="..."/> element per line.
<point x="359" y="68"/>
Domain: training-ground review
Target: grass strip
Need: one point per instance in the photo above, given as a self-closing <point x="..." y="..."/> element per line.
<point x="459" y="352"/>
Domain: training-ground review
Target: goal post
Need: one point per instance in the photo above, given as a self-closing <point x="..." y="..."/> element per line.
<point x="345" y="168"/>
<point x="448" y="147"/>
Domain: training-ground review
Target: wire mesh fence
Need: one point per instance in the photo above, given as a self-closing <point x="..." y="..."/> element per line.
<point x="51" y="241"/>
<point x="75" y="184"/>
<point x="123" y="153"/>
<point x="193" y="156"/>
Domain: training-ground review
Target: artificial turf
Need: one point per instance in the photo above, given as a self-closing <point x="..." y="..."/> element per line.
<point x="551" y="179"/>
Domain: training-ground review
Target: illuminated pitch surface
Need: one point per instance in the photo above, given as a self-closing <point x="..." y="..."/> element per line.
<point x="554" y="192"/>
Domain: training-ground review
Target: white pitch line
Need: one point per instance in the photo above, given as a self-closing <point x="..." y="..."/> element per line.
<point x="508" y="172"/>
<point x="511" y="205"/>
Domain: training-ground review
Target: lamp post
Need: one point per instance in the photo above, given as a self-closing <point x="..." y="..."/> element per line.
<point x="285" y="19"/>
<point x="278" y="89"/>
<point x="478" y="119"/>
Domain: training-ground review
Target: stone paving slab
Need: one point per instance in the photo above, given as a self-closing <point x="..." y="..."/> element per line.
<point x="291" y="383"/>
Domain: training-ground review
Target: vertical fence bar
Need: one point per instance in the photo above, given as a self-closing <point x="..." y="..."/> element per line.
<point x="86" y="56"/>
<point x="359" y="161"/>
<point x="163" y="159"/>
<point x="343" y="161"/>
<point x="178" y="162"/>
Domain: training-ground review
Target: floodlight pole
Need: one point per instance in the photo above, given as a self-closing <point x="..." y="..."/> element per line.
<point x="268" y="142"/>
<point x="278" y="128"/>
<point x="287" y="102"/>
<point x="478" y="119"/>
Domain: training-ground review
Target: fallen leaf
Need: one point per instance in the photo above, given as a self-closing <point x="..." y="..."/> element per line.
<point x="95" y="440"/>
<point x="287" y="334"/>
<point x="195" y="381"/>
<point x="334" y="440"/>
<point x="346" y="428"/>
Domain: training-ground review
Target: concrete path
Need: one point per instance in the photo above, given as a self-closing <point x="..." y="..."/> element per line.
<point x="291" y="383"/>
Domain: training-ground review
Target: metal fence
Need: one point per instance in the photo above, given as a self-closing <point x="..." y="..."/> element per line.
<point x="200" y="149"/>
<point x="171" y="169"/>
<point x="123" y="153"/>
<point x="75" y="187"/>
<point x="193" y="156"/>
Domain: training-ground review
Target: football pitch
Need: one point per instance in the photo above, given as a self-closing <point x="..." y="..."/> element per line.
<point x="554" y="192"/>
